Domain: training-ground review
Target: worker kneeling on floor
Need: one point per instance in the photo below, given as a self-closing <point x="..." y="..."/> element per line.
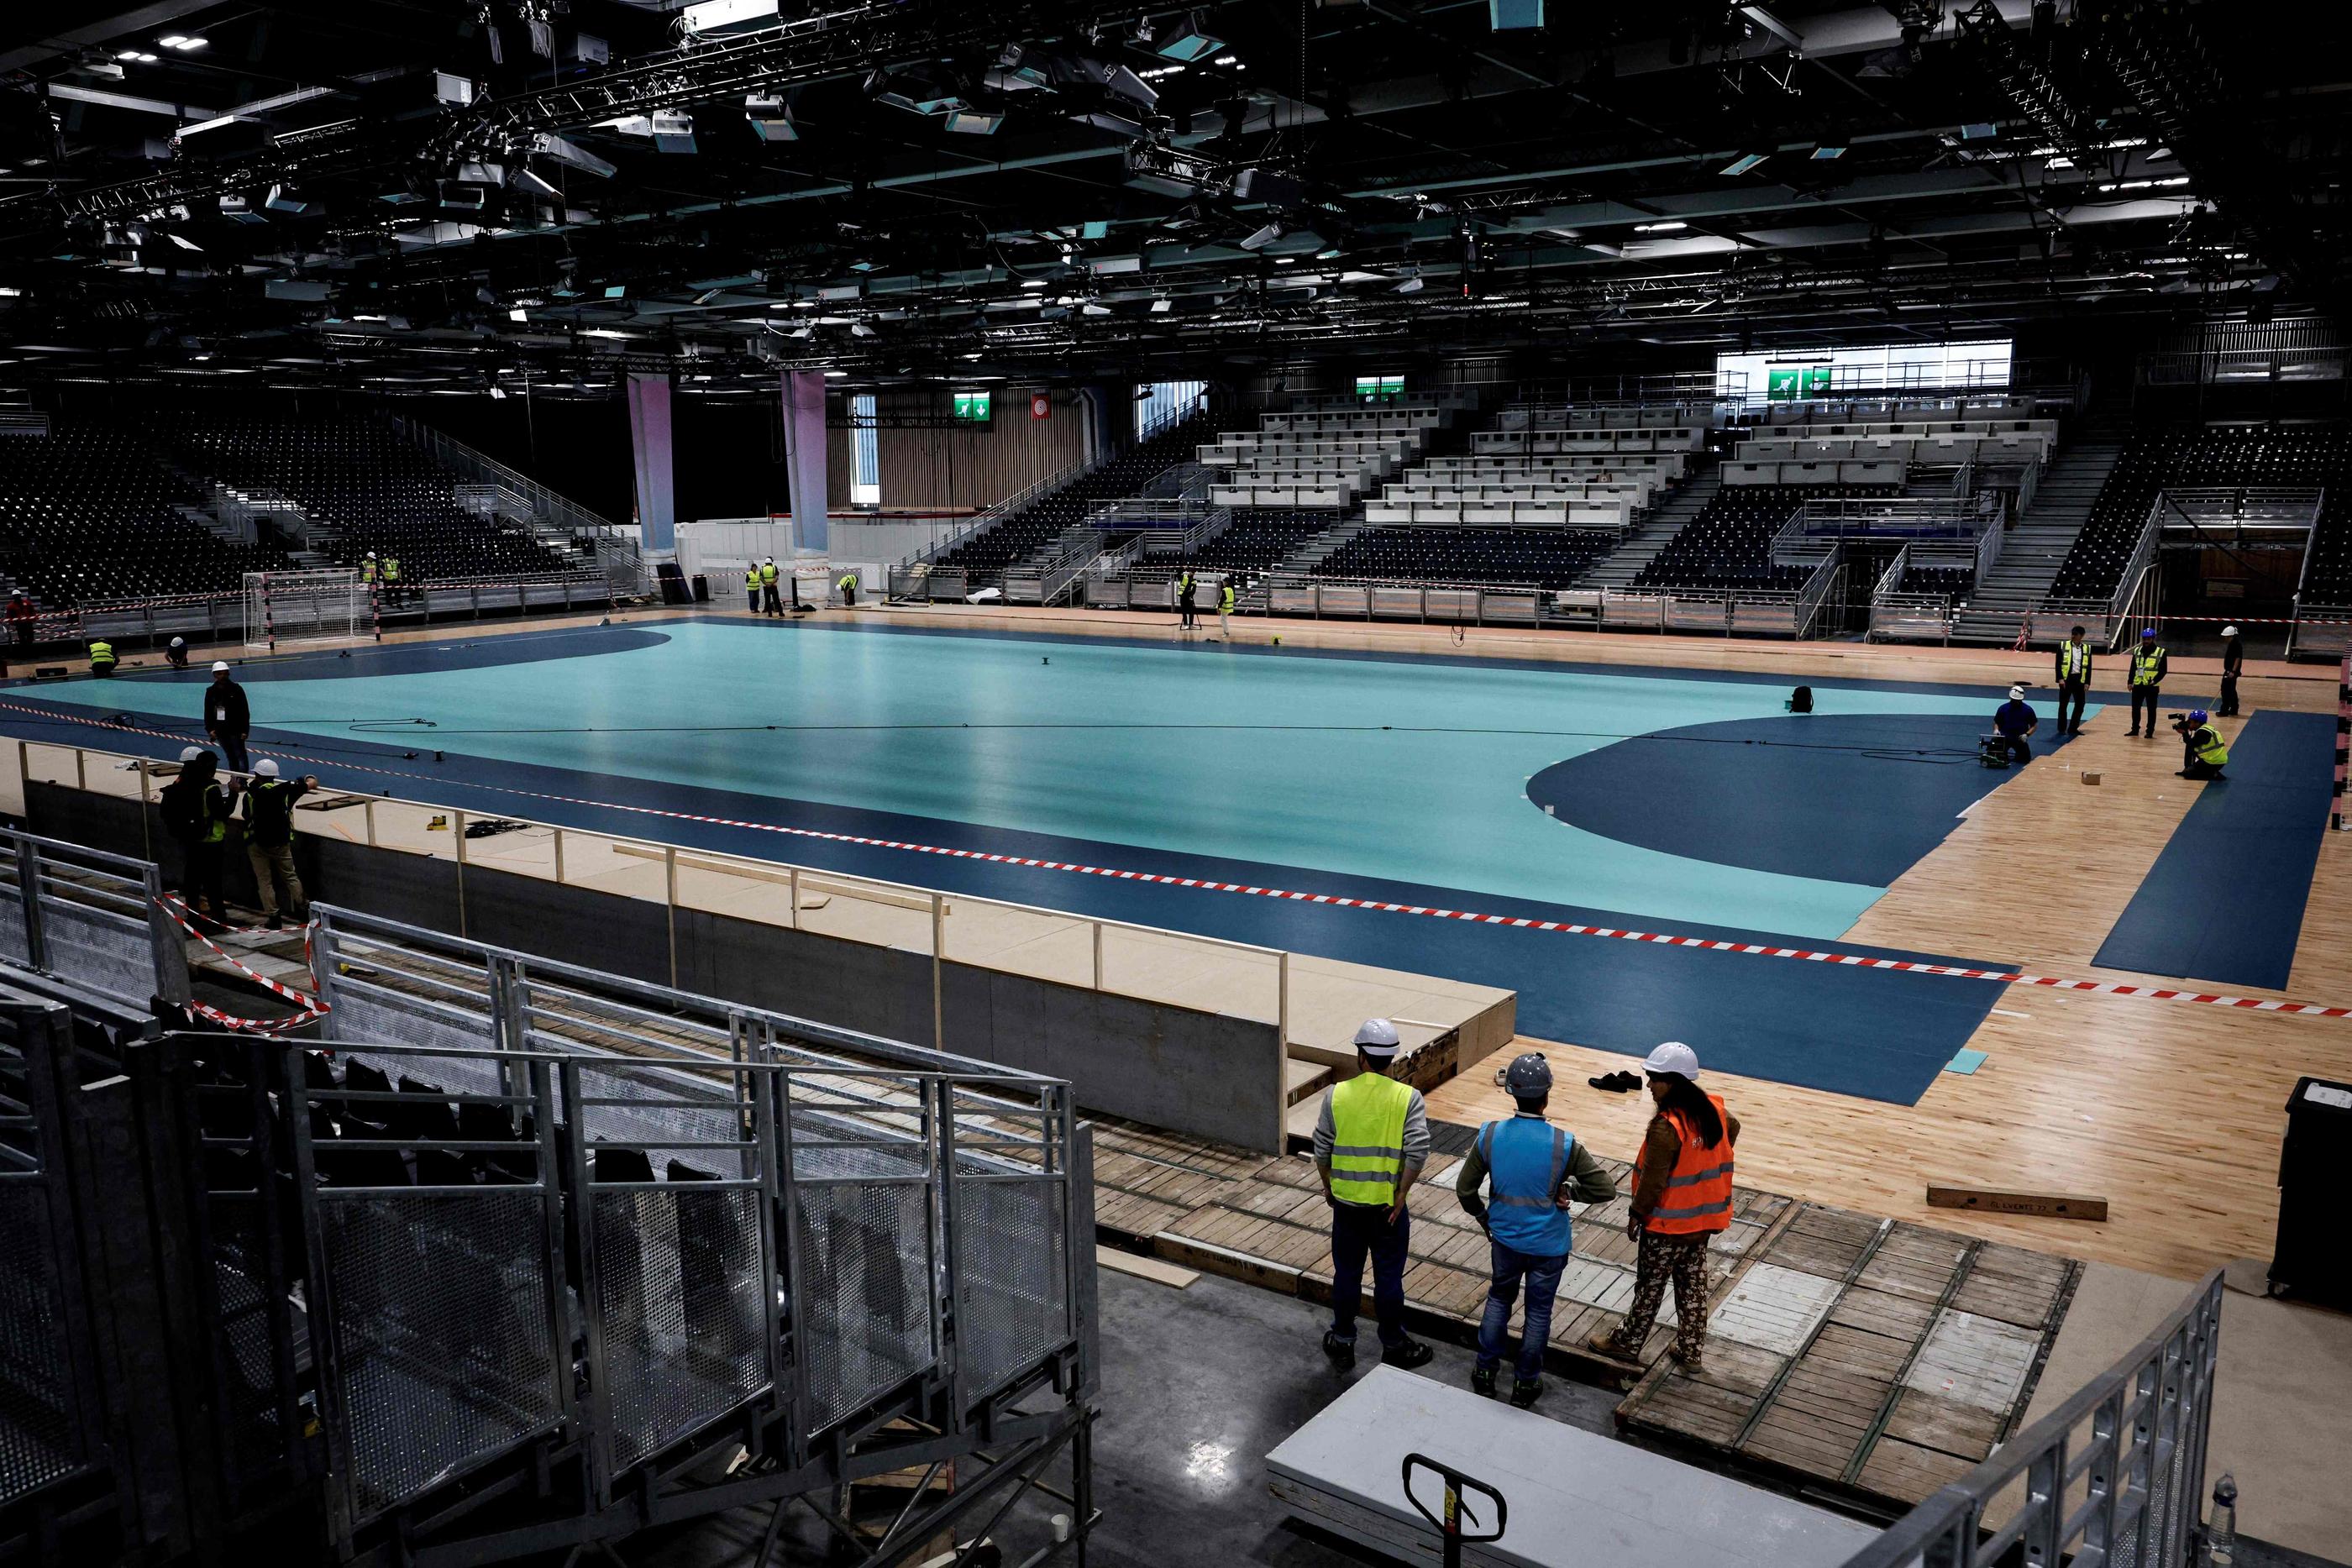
<point x="2203" y="752"/>
<point x="1533" y="1170"/>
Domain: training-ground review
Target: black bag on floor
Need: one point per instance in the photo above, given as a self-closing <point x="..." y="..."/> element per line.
<point x="1802" y="700"/>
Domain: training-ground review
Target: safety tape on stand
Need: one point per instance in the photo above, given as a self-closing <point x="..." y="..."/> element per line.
<point x="1203" y="884"/>
<point x="313" y="1009"/>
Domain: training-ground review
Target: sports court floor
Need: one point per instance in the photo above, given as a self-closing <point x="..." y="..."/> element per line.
<point x="1637" y="787"/>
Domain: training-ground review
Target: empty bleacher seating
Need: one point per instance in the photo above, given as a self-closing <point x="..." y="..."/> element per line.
<point x="370" y="489"/>
<point x="1541" y="558"/>
<point x="2212" y="457"/>
<point x="1322" y="457"/>
<point x="89" y="513"/>
<point x="1021" y="534"/>
<point x="1729" y="544"/>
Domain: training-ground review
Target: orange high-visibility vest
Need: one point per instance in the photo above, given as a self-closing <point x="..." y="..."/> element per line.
<point x="1698" y="1193"/>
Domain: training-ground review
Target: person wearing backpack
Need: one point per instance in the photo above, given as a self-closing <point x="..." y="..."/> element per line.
<point x="195" y="812"/>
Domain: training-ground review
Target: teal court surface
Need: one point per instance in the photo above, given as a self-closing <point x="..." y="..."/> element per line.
<point x="1666" y="803"/>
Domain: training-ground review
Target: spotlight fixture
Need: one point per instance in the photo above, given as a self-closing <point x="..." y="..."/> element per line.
<point x="1160" y="307"/>
<point x="1264" y="237"/>
<point x="1410" y="285"/>
<point x="1094" y="307"/>
<point x="1824" y="154"/>
<point x="771" y="119"/>
<point x="1187" y="41"/>
<point x="971" y="121"/>
<point x="1744" y="162"/>
<point x="1664" y="227"/>
<point x="1513" y="15"/>
<point x="860" y="330"/>
<point x="283" y="199"/>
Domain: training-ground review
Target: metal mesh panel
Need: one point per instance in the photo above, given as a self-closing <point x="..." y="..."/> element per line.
<point x="14" y="947"/>
<point x="98" y="948"/>
<point x="658" y="1122"/>
<point x="679" y="1298"/>
<point x="367" y="1014"/>
<point x="440" y="1311"/>
<point x="1011" y="1275"/>
<point x="36" y="1425"/>
<point x="863" y="1257"/>
<point x="240" y="1266"/>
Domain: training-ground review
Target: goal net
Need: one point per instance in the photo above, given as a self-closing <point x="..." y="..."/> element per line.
<point x="331" y="605"/>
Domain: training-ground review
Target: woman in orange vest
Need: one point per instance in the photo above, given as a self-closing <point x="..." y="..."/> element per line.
<point x="1681" y="1195"/>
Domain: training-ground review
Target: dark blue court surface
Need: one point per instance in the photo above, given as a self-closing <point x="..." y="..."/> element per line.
<point x="1850" y="797"/>
<point x="2224" y="901"/>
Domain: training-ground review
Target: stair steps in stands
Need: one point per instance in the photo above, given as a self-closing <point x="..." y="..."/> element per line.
<point x="1311" y="552"/>
<point x="2037" y="546"/>
<point x="1654" y="532"/>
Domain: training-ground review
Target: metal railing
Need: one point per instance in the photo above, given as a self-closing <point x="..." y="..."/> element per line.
<point x="1117" y="958"/>
<point x="1372" y="599"/>
<point x="2245" y="514"/>
<point x="617" y="549"/>
<point x="2227" y="367"/>
<point x="742" y="1227"/>
<point x="2114" y="1476"/>
<point x="2103" y="619"/>
<point x="92" y="919"/>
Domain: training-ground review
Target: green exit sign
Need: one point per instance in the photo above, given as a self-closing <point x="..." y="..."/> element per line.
<point x="1797" y="382"/>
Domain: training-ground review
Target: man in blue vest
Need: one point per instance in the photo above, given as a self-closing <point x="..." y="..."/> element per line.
<point x="1371" y="1143"/>
<point x="1533" y="1170"/>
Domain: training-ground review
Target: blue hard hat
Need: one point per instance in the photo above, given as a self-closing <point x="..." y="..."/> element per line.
<point x="1528" y="1076"/>
<point x="2147" y="632"/>
<point x="2197" y="716"/>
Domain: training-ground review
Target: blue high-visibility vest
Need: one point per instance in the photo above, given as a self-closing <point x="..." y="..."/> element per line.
<point x="1526" y="1158"/>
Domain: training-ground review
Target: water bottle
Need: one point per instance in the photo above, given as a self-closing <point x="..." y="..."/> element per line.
<point x="2222" y="1538"/>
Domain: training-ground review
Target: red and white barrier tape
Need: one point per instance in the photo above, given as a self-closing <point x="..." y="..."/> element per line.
<point x="1563" y="927"/>
<point x="312" y="1008"/>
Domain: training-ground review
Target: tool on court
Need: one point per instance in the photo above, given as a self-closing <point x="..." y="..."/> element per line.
<point x="1449" y="1515"/>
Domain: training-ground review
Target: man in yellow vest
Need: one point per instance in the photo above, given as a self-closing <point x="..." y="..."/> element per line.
<point x="101" y="657"/>
<point x="1371" y="1143"/>
<point x="394" y="592"/>
<point x="2203" y="752"/>
<point x="752" y="588"/>
<point x="848" y="586"/>
<point x="2148" y="668"/>
<point x="2074" y="680"/>
<point x="772" y="603"/>
<point x="1225" y="610"/>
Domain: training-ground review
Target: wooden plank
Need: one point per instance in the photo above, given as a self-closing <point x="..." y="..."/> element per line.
<point x="1150" y="1268"/>
<point x="1946" y="1424"/>
<point x="1908" y="1473"/>
<point x="1994" y="1200"/>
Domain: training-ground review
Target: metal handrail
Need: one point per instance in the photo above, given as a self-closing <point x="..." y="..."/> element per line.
<point x="2130" y="1494"/>
<point x="2213" y="366"/>
<point x="1816" y="592"/>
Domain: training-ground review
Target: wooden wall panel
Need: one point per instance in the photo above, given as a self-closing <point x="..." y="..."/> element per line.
<point x="968" y="466"/>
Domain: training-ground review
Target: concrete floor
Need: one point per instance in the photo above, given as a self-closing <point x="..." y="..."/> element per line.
<point x="1199" y="1385"/>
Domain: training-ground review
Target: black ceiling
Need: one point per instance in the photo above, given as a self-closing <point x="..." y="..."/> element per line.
<point x="1074" y="190"/>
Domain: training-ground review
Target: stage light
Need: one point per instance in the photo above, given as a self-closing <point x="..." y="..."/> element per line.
<point x="1263" y="237"/>
<point x="1411" y="286"/>
<point x="1744" y="162"/>
<point x="1187" y="41"/>
<point x="1668" y="226"/>
<point x="771" y="119"/>
<point x="1824" y="154"/>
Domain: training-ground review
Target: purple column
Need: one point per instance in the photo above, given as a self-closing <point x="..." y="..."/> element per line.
<point x="803" y="395"/>
<point x="649" y="444"/>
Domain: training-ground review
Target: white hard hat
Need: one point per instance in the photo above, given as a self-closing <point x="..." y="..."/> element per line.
<point x="1376" y="1037"/>
<point x="1673" y="1056"/>
<point x="220" y="667"/>
<point x="2017" y="693"/>
<point x="266" y="768"/>
<point x="179" y="642"/>
<point x="2228" y="630"/>
<point x="370" y="555"/>
<point x="190" y="753"/>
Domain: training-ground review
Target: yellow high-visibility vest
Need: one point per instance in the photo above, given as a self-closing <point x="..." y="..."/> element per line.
<point x="1367" y="1114"/>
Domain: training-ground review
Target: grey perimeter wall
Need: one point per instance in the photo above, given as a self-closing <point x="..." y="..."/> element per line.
<point x="1204" y="1073"/>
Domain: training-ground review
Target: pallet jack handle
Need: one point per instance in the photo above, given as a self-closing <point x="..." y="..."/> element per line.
<point x="1451" y="1514"/>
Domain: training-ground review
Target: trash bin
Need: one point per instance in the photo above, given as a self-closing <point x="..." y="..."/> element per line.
<point x="2311" y="1262"/>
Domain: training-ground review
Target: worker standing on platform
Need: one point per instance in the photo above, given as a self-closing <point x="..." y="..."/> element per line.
<point x="1225" y="609"/>
<point x="1681" y="1195"/>
<point x="102" y="656"/>
<point x="752" y="588"/>
<point x="2233" y="664"/>
<point x="368" y="570"/>
<point x="392" y="589"/>
<point x="2148" y="666"/>
<point x="1187" y="586"/>
<point x="195" y="810"/>
<point x="228" y="719"/>
<point x="269" y="840"/>
<point x="2073" y="681"/>
<point x="1371" y="1143"/>
<point x="772" y="603"/>
<point x="1534" y="1171"/>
